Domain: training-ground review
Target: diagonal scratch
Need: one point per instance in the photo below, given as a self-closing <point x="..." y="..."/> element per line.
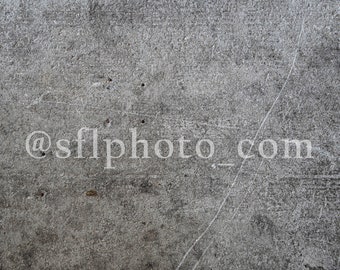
<point x="205" y="251"/>
<point x="249" y="191"/>
<point x="244" y="160"/>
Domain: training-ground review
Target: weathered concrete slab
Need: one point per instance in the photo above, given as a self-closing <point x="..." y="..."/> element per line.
<point x="219" y="70"/>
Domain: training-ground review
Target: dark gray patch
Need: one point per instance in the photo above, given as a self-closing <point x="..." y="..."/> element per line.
<point x="262" y="225"/>
<point x="314" y="267"/>
<point x="46" y="236"/>
<point x="146" y="186"/>
<point x="151" y="235"/>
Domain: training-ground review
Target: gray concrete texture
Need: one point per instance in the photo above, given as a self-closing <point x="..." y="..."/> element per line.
<point x="198" y="69"/>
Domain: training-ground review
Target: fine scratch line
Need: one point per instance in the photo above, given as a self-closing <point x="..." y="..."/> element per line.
<point x="205" y="251"/>
<point x="244" y="160"/>
<point x="249" y="191"/>
<point x="88" y="108"/>
<point x="226" y="164"/>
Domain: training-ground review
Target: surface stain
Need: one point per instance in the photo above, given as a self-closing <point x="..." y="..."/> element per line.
<point x="91" y="193"/>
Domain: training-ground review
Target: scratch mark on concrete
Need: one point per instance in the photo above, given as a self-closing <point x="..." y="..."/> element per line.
<point x="212" y="221"/>
<point x="237" y="208"/>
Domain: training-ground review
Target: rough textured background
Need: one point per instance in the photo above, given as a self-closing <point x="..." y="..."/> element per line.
<point x="201" y="69"/>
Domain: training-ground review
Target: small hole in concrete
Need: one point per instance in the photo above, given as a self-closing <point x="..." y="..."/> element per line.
<point x="143" y="121"/>
<point x="107" y="122"/>
<point x="143" y="84"/>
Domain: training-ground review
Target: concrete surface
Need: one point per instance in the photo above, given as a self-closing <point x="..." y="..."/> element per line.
<point x="198" y="69"/>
